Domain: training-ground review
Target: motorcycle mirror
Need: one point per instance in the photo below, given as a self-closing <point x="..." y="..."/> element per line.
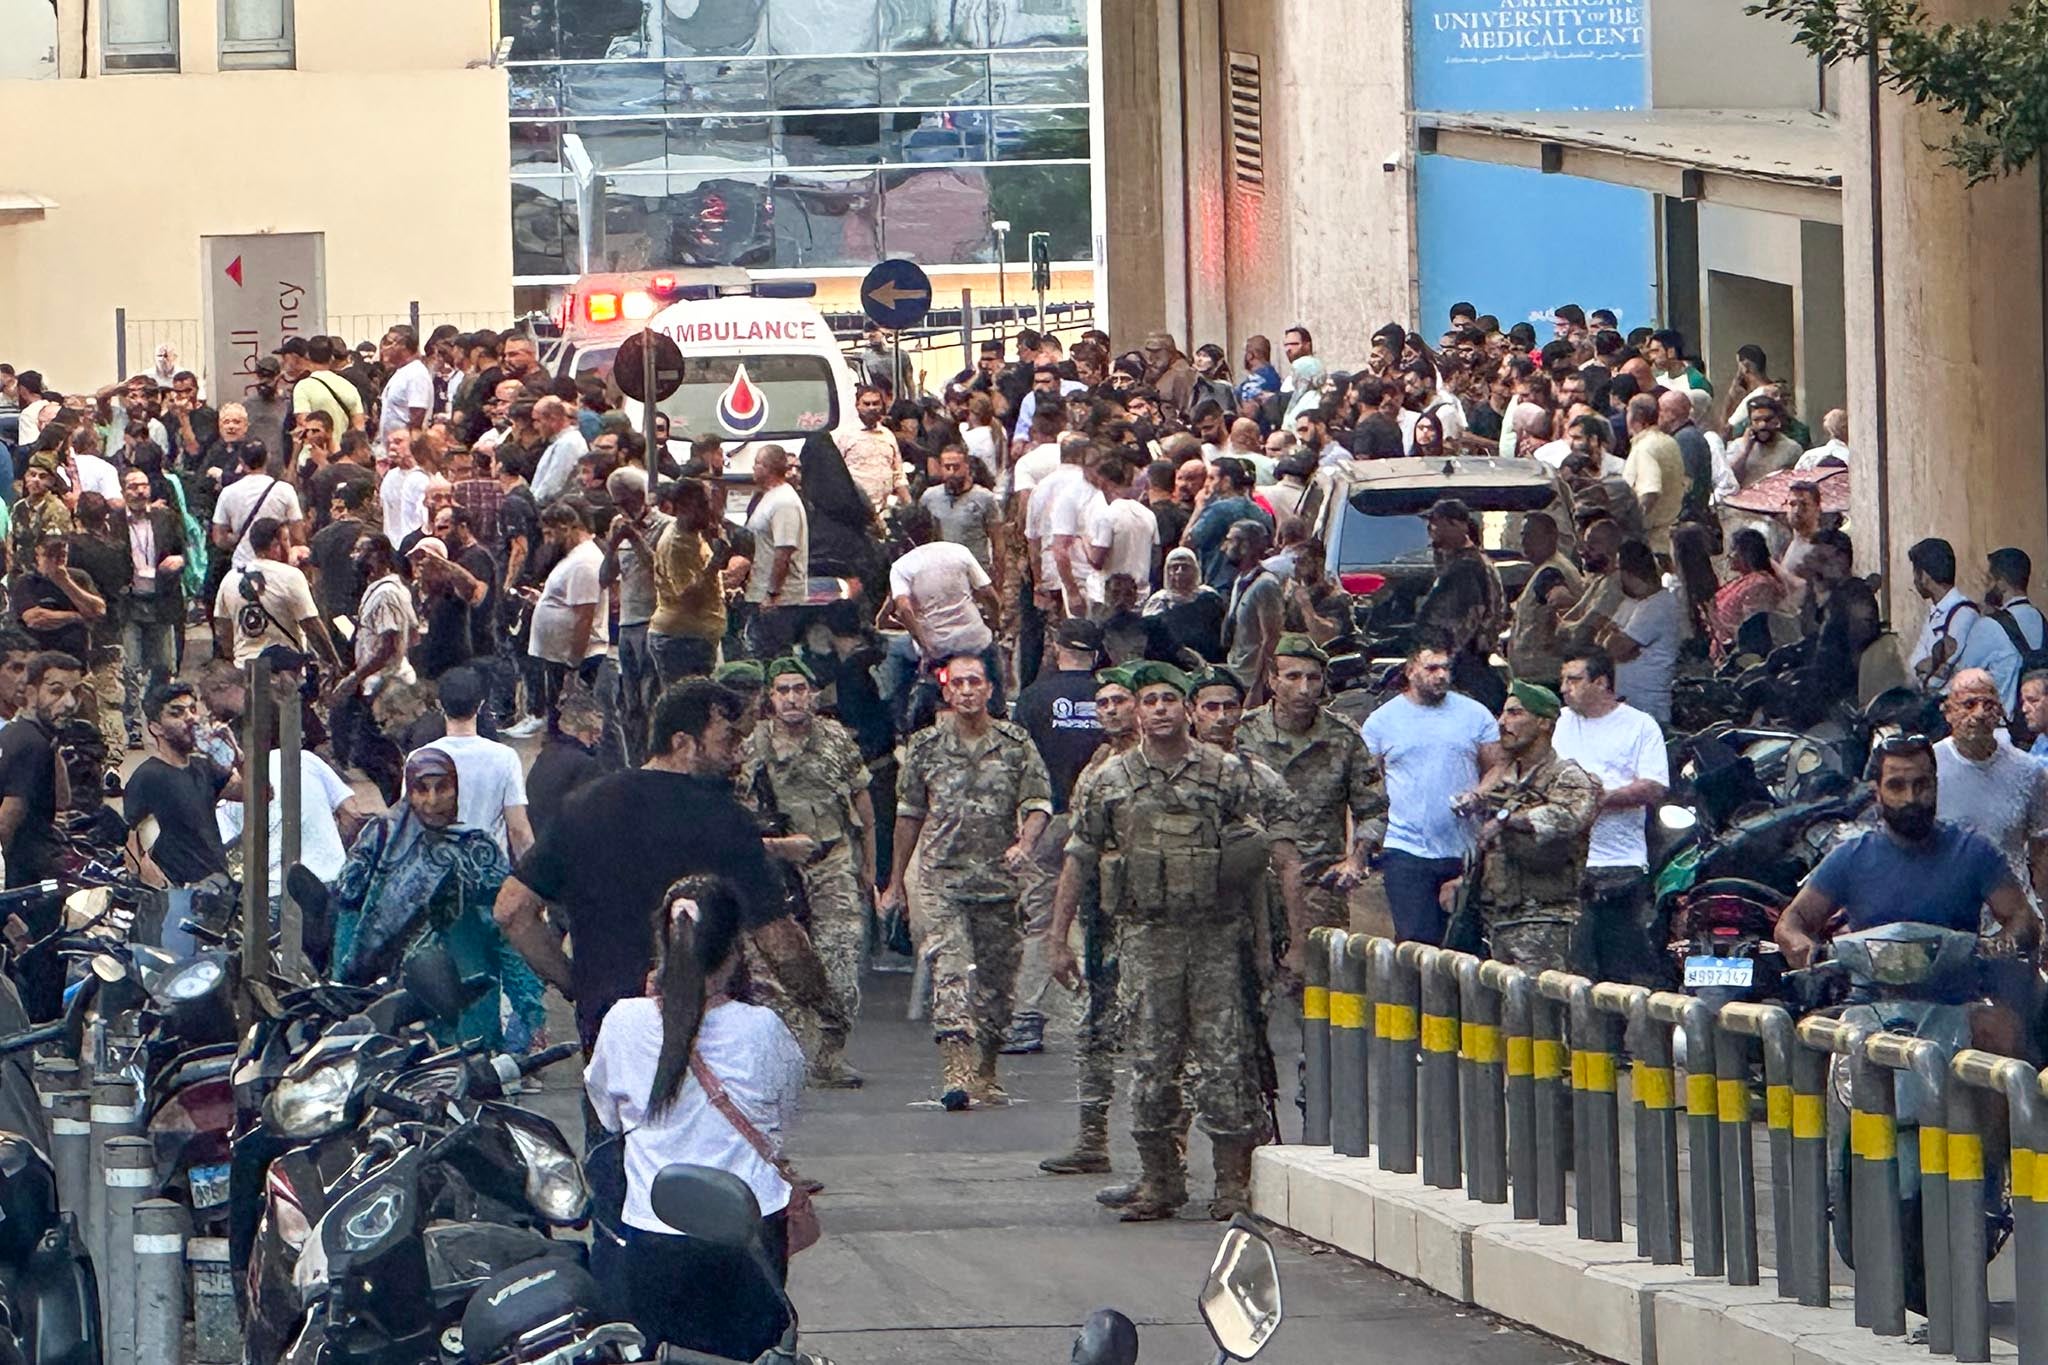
<point x="431" y="978"/>
<point x="710" y="1205"/>
<point x="1107" y="1338"/>
<point x="1677" y="819"/>
<point x="1241" y="1300"/>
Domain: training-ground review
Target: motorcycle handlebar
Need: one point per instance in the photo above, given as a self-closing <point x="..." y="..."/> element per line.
<point x="547" y="1057"/>
<point x="393" y="1102"/>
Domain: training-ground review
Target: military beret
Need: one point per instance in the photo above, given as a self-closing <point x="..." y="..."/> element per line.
<point x="740" y="673"/>
<point x="788" y="663"/>
<point x="1294" y="645"/>
<point x="1537" y="701"/>
<point x="1218" y="677"/>
<point x="1151" y="672"/>
<point x="1119" y="676"/>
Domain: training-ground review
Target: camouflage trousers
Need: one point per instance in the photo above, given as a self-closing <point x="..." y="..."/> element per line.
<point x="1101" y="1023"/>
<point x="785" y="974"/>
<point x="1184" y="1006"/>
<point x="976" y="945"/>
<point x="1532" y="945"/>
<point x="839" y="930"/>
<point x="99" y="701"/>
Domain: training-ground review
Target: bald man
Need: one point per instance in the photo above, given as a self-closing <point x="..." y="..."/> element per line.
<point x="1675" y="418"/>
<point x="1988" y="786"/>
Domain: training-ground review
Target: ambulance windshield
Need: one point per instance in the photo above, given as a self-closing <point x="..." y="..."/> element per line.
<point x="754" y="398"/>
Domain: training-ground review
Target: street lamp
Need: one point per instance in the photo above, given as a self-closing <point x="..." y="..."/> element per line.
<point x="1001" y="227"/>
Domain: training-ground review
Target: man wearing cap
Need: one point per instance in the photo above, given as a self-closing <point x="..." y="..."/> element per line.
<point x="40" y="514"/>
<point x="1153" y="821"/>
<point x="819" y="783"/>
<point x="1334" y="780"/>
<point x="971" y="801"/>
<point x="1535" y="812"/>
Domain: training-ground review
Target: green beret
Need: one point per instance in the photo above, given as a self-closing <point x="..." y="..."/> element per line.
<point x="788" y="663"/>
<point x="1537" y="701"/>
<point x="1150" y="672"/>
<point x="1297" y="646"/>
<point x="1218" y="677"/>
<point x="740" y="673"/>
<point x="1120" y="676"/>
<point x="44" y="461"/>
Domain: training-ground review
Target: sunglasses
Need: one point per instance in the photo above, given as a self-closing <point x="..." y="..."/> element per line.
<point x="1894" y="746"/>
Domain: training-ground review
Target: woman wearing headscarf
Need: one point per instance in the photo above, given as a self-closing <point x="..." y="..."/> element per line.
<point x="1309" y="375"/>
<point x="415" y="881"/>
<point x="1532" y="431"/>
<point x="1187" y="613"/>
<point x="842" y="521"/>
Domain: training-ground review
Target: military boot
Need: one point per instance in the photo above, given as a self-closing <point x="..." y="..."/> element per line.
<point x="830" y="1071"/>
<point x="985" y="1089"/>
<point x="1233" y="1177"/>
<point x="1091" y="1151"/>
<point x="1163" y="1183"/>
<point x="956" y="1074"/>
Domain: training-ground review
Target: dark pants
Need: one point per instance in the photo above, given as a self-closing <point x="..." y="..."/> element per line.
<point x="771" y="631"/>
<point x="1030" y="634"/>
<point x="636" y="690"/>
<point x="677" y="657"/>
<point x="1412" y="887"/>
<point x="555" y="681"/>
<point x="368" y="747"/>
<point x="701" y="1297"/>
<point x="1614" y="929"/>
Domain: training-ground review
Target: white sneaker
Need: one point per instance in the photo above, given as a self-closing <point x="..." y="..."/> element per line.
<point x="525" y="729"/>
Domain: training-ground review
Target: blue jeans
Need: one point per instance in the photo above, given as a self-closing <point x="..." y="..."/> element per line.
<point x="149" y="653"/>
<point x="1412" y="886"/>
<point x="636" y="690"/>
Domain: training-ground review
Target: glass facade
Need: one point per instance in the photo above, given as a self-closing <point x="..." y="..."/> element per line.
<point x="799" y="134"/>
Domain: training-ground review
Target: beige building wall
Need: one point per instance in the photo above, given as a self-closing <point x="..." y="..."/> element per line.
<point x="142" y="165"/>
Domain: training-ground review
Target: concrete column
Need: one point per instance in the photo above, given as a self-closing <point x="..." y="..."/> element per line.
<point x="1144" y="221"/>
<point x="1946" y="373"/>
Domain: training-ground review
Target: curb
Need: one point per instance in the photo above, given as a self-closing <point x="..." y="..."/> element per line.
<point x="1599" y="1296"/>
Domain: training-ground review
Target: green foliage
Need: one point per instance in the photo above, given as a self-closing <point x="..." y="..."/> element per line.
<point x="1991" y="75"/>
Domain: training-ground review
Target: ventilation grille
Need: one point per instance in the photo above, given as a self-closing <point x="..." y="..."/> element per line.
<point x="1247" y="128"/>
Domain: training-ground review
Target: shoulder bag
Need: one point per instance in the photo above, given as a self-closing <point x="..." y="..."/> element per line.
<point x="803" y="1214"/>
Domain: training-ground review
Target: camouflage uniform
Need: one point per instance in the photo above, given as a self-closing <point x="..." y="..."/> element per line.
<point x="971" y="795"/>
<point x="1330" y="773"/>
<point x="816" y="779"/>
<point x="1157" y="837"/>
<point x="35" y="523"/>
<point x="1528" y="894"/>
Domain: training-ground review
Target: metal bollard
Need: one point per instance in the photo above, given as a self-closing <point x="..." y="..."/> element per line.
<point x="1618" y="1000"/>
<point x="54" y="1076"/>
<point x="1655" y="1087"/>
<point x="1873" y="1194"/>
<point x="1738" y="1156"/>
<point x="112" y="1115"/>
<point x="1484" y="1085"/>
<point x="1396" y="1019"/>
<point x="1969" y="1290"/>
<point x="1702" y="1142"/>
<point x="1315" y="1039"/>
<point x="159" y="1240"/>
<point x="129" y="1166"/>
<point x="1440" y="1109"/>
<point x="1928" y="1063"/>
<point x="1554" y="1131"/>
<point x="71" y="1149"/>
<point x="1970" y="1170"/>
<point x="216" y="1330"/>
<point x="1597" y="1114"/>
<point x="1518" y="1023"/>
<point x="1808" y="1248"/>
<point x="1349" y="1134"/>
<point x="1771" y="1026"/>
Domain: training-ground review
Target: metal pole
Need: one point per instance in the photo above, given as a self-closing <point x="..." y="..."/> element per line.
<point x="1552" y="1103"/>
<point x="413" y="312"/>
<point x="1379" y="988"/>
<point x="1315" y="1039"/>
<point x="1738" y="1162"/>
<point x="1874" y="1188"/>
<point x="647" y="408"/>
<point x="291" y="922"/>
<point x="1517" y="995"/>
<point x="130" y="1167"/>
<point x="1969" y="1292"/>
<point x="71" y="1149"/>
<point x="2029" y="1210"/>
<point x="113" y="1114"/>
<point x="1702" y="1142"/>
<point x="967" y="329"/>
<point x="1347" y="1048"/>
<point x="1440" y="1146"/>
<point x="1485" y="1083"/>
<point x="1003" y="291"/>
<point x="1593" y="1075"/>
<point x="159" y="1240"/>
<point x="121" y="345"/>
<point x="1655" y="1085"/>
<point x="1928" y="1062"/>
<point x="896" y="384"/>
<point x="1808" y="1248"/>
<point x="255" y="842"/>
<point x="1397" y="1021"/>
<point x="1356" y="965"/>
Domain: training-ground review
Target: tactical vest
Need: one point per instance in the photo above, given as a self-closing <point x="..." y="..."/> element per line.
<point x="1170" y="855"/>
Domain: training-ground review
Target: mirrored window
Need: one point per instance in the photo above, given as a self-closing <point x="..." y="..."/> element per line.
<point x="827" y="220"/>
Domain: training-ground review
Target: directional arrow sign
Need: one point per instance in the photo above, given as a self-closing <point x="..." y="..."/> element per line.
<point x="896" y="294"/>
<point x="234" y="270"/>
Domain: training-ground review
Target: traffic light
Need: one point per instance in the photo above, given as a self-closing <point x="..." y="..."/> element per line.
<point x="1041" y="261"/>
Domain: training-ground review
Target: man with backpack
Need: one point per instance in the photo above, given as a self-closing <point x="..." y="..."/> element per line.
<point x="2010" y="639"/>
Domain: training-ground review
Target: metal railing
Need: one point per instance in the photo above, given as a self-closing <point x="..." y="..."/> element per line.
<point x="1498" y="1082"/>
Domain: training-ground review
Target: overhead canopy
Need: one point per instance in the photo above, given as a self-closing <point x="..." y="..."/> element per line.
<point x="19" y="206"/>
<point x="1775" y="160"/>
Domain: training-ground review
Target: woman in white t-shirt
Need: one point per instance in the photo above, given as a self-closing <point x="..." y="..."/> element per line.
<point x="645" y="1081"/>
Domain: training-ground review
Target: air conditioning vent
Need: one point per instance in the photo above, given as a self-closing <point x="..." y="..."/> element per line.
<point x="1247" y="126"/>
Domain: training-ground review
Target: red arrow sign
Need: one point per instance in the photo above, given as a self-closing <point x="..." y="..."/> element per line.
<point x="235" y="270"/>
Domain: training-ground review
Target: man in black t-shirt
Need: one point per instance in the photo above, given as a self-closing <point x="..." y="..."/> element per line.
<point x="32" y="789"/>
<point x="337" y="588"/>
<point x="452" y="526"/>
<point x="177" y="787"/>
<point x="56" y="604"/>
<point x="1058" y="709"/>
<point x="613" y="851"/>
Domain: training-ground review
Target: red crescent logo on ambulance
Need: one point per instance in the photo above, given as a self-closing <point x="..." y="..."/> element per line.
<point x="742" y="408"/>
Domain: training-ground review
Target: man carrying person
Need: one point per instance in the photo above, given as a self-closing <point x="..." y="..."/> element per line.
<point x="942" y="598"/>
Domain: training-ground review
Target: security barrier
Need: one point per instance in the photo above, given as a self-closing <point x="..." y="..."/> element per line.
<point x="1507" y="1085"/>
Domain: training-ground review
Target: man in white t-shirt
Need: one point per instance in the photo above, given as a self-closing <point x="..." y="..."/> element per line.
<point x="490" y="780"/>
<point x="1645" y="634"/>
<point x="1623" y="749"/>
<point x="1067" y="514"/>
<point x="1433" y="743"/>
<point x="256" y="496"/>
<point x="555" y="474"/>
<point x="403" y="493"/>
<point x="268" y="602"/>
<point x="1122" y="535"/>
<point x="1035" y="464"/>
<point x="944" y="600"/>
<point x="779" y="577"/>
<point x="409" y="393"/>
<point x="568" y="634"/>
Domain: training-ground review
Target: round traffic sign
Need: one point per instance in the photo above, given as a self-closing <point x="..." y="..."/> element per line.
<point x="629" y="367"/>
<point x="896" y="294"/>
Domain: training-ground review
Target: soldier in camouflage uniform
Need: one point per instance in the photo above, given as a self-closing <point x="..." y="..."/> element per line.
<point x="1155" y="822"/>
<point x="820" y="783"/>
<point x="972" y="799"/>
<point x="1536" y="811"/>
<point x="40" y="514"/>
<point x="1334" y="780"/>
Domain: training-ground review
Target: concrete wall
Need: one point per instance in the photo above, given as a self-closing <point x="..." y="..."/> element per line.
<point x="1708" y="54"/>
<point x="1747" y="263"/>
<point x="1823" y="333"/>
<point x="1946" y="376"/>
<point x="224" y="155"/>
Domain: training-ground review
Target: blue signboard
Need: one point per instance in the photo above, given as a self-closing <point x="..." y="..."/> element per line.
<point x="1517" y="242"/>
<point x="896" y="294"/>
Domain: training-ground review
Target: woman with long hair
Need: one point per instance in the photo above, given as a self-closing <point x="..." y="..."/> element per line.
<point x="1692" y="557"/>
<point x="670" y="1071"/>
<point x="1755" y="587"/>
<point x="1428" y="438"/>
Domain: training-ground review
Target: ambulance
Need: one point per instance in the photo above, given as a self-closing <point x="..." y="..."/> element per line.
<point x="760" y="363"/>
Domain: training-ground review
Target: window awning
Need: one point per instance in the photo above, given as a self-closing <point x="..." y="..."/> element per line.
<point x="19" y="206"/>
<point x="1774" y="160"/>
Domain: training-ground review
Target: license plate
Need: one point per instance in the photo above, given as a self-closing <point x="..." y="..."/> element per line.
<point x="1708" y="970"/>
<point x="209" y="1185"/>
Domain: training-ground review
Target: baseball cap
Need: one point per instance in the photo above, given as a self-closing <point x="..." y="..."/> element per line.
<point x="431" y="546"/>
<point x="1449" y="509"/>
<point x="268" y="364"/>
<point x="1078" y="632"/>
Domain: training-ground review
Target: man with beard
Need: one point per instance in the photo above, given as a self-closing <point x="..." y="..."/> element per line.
<point x="176" y="788"/>
<point x="968" y="514"/>
<point x="33" y="788"/>
<point x="1466" y="605"/>
<point x="386" y="626"/>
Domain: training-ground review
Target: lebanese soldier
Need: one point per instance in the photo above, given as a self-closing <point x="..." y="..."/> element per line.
<point x="41" y="512"/>
<point x="1116" y="711"/>
<point x="1536" y="812"/>
<point x="1325" y="765"/>
<point x="820" y="783"/>
<point x="972" y="799"/>
<point x="1154" y="821"/>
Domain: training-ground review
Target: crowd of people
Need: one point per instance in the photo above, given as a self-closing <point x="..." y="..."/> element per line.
<point x="1027" y="678"/>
